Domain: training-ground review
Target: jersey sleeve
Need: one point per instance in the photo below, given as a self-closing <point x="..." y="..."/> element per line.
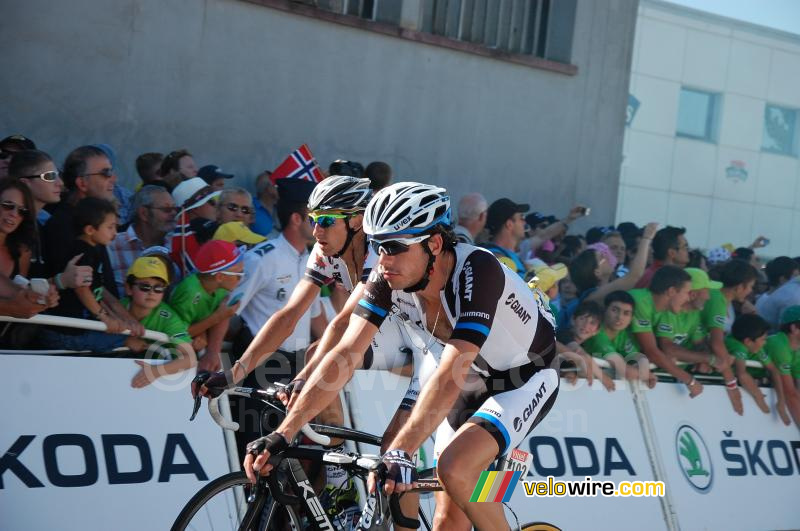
<point x="173" y="326"/>
<point x="478" y="299"/>
<point x="258" y="269"/>
<point x="781" y="356"/>
<point x="599" y="345"/>
<point x="376" y="301"/>
<point x="666" y="324"/>
<point x="642" y="314"/>
<point x="715" y="311"/>
<point x="736" y="348"/>
<point x="318" y="268"/>
<point x="370" y="262"/>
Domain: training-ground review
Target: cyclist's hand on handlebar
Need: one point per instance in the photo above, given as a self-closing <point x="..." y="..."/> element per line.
<point x="258" y="453"/>
<point x="399" y="470"/>
<point x="211" y="384"/>
<point x="288" y="395"/>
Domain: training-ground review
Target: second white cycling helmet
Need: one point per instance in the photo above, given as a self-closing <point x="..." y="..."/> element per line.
<point x="340" y="192"/>
<point x="407" y="208"/>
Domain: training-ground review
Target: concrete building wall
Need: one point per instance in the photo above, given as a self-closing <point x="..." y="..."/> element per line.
<point x="687" y="182"/>
<point x="241" y="85"/>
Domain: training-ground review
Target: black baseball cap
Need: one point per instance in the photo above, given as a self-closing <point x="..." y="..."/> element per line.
<point x="501" y="211"/>
<point x="212" y="172"/>
<point x="17" y="140"/>
<point x="294" y="190"/>
<point x="535" y="218"/>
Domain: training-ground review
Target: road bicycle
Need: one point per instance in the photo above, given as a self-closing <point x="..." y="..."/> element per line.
<point x="285" y="499"/>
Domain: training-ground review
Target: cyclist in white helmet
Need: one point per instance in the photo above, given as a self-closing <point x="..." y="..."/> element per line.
<point x="495" y="380"/>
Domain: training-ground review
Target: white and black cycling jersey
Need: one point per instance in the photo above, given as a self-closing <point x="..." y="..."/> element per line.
<point x="486" y="304"/>
<point x="325" y="270"/>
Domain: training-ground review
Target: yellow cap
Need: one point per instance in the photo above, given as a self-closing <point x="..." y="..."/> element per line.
<point x="548" y="275"/>
<point x="236" y="231"/>
<point x="149" y="267"/>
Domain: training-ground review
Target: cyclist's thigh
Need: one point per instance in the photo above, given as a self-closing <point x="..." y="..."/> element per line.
<point x="511" y="415"/>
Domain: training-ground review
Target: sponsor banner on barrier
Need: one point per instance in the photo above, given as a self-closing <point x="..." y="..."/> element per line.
<point x="724" y="471"/>
<point x="84" y="450"/>
<point x="589" y="432"/>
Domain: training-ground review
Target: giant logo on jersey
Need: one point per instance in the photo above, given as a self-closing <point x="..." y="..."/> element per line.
<point x="467" y="274"/>
<point x="518" y="308"/>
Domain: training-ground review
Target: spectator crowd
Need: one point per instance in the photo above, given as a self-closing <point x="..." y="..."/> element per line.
<point x="192" y="256"/>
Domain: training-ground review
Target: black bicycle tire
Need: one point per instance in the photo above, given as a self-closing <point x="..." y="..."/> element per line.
<point x="210" y="490"/>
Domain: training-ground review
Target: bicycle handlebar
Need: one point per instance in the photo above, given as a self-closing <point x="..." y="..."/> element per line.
<point x="268" y="395"/>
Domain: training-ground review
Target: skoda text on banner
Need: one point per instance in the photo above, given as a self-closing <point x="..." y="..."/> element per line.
<point x="82" y="449"/>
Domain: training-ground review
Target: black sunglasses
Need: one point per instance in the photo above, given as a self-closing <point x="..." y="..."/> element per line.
<point x="396" y="246"/>
<point x="105" y="172"/>
<point x="233" y="207"/>
<point x="147" y="288"/>
<point x="5" y="154"/>
<point x="11" y="205"/>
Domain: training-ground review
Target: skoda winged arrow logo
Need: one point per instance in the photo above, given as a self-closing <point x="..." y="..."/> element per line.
<point x="694" y="458"/>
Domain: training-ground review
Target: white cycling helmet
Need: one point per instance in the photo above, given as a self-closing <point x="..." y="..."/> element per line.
<point x="340" y="192"/>
<point x="407" y="209"/>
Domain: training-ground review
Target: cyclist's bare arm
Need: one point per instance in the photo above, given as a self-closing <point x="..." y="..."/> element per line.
<point x="437" y="396"/>
<point x="333" y="334"/>
<point x="332" y="373"/>
<point x="277" y="329"/>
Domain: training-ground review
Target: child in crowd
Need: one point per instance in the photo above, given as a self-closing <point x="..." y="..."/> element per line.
<point x="201" y="299"/>
<point x="145" y="285"/>
<point x="96" y="223"/>
<point x="746" y="342"/>
<point x="783" y="349"/>
<point x="615" y="343"/>
<point x="585" y="324"/>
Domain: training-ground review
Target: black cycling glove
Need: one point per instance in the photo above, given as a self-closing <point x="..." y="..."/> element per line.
<point x="273" y="443"/>
<point x="399" y="466"/>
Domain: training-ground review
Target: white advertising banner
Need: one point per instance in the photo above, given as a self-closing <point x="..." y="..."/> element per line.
<point x="724" y="471"/>
<point x="84" y="450"/>
<point x="590" y="432"/>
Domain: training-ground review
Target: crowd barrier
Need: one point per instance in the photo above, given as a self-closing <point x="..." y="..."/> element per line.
<point x="83" y="450"/>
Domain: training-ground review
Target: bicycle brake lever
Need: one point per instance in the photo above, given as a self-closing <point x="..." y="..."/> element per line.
<point x="198" y="400"/>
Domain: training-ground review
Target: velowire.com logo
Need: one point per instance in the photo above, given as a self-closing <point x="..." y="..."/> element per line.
<point x="694" y="458"/>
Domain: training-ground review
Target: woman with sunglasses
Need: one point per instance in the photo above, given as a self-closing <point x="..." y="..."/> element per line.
<point x="17" y="229"/>
<point x="37" y="171"/>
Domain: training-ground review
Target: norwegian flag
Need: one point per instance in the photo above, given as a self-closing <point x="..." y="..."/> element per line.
<point x="299" y="165"/>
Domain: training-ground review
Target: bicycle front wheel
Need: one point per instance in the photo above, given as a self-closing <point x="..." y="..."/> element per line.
<point x="222" y="505"/>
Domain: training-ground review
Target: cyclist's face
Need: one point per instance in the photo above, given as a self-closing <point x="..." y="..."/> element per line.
<point x="406" y="269"/>
<point x="618" y="316"/>
<point x="331" y="239"/>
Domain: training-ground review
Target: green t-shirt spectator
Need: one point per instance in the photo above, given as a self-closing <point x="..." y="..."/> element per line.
<point x="780" y="351"/>
<point x="683" y="329"/>
<point x="192" y="302"/>
<point x="717" y="312"/>
<point x="644" y="311"/>
<point x="164" y="319"/>
<point x="739" y="351"/>
<point x="600" y="345"/>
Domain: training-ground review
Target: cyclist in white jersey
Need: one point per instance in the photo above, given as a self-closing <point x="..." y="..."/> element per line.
<point x="494" y="381"/>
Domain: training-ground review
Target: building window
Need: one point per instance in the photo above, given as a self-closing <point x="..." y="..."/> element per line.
<point x="698" y="114"/>
<point x="780" y="130"/>
<point x="542" y="28"/>
<point x="379" y="10"/>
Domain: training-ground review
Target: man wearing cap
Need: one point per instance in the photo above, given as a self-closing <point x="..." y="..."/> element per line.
<point x="682" y="335"/>
<point x="214" y="176"/>
<point x="196" y="200"/>
<point x="153" y="217"/>
<point x="87" y="172"/>
<point x="201" y="299"/>
<point x="784" y="350"/>
<point x="10" y="145"/>
<point x="507" y="229"/>
<point x="145" y="283"/>
<point x="472" y="212"/>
